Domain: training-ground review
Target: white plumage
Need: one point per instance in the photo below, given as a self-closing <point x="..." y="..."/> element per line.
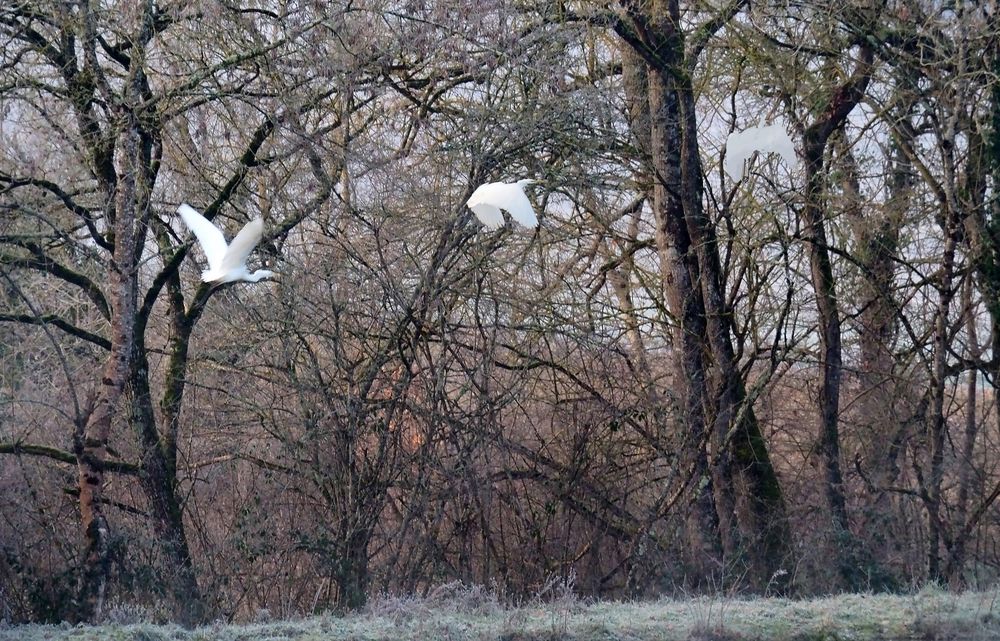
<point x="764" y="139"/>
<point x="226" y="263"/>
<point x="487" y="201"/>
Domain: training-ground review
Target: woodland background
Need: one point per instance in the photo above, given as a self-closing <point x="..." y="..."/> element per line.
<point x="678" y="384"/>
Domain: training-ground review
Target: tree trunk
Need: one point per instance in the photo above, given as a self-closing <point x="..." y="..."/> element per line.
<point x="159" y="482"/>
<point x="973" y="198"/>
<point x="881" y="399"/>
<point x="740" y="480"/>
<point x="828" y="440"/>
<point x="936" y="423"/>
<point x="954" y="570"/>
<point x="92" y="442"/>
<point x="761" y="513"/>
<point x="815" y="139"/>
<point x="91" y="447"/>
<point x="128" y="217"/>
<point x="350" y="572"/>
<point x="709" y="531"/>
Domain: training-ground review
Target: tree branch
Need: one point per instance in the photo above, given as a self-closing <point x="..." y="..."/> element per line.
<point x="42" y="262"/>
<point x="18" y="448"/>
<point x="844" y="100"/>
<point x="61" y="323"/>
<point x="85" y="214"/>
<point x="705" y="32"/>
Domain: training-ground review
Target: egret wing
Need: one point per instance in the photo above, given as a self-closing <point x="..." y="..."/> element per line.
<point x="213" y="243"/>
<point x="483" y="203"/>
<point x="739" y="147"/>
<point x="489" y="199"/>
<point x="517" y="203"/>
<point x="243" y="244"/>
<point x="781" y="143"/>
<point x="764" y="139"/>
<point x="488" y="215"/>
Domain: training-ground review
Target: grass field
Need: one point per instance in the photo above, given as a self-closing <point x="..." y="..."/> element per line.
<point x="472" y="614"/>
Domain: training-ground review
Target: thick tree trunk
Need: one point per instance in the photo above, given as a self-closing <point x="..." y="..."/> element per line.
<point x="128" y="217"/>
<point x="653" y="116"/>
<point x="760" y="507"/>
<point x="828" y="439"/>
<point x="741" y="482"/>
<point x="679" y="265"/>
<point x="91" y="447"/>
<point x="159" y="482"/>
<point x="92" y="442"/>
<point x="350" y="573"/>
<point x="815" y="139"/>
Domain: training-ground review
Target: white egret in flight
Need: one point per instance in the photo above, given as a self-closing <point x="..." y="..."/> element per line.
<point x="226" y="263"/>
<point x="765" y="138"/>
<point x="487" y="201"/>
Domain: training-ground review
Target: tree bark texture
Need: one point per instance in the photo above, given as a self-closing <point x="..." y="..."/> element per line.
<point x="748" y="501"/>
<point x="92" y="442"/>
<point x="816" y="137"/>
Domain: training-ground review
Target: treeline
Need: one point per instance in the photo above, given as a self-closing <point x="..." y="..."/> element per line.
<point x="681" y="382"/>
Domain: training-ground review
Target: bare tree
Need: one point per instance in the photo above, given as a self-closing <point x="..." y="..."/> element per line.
<point x="103" y="94"/>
